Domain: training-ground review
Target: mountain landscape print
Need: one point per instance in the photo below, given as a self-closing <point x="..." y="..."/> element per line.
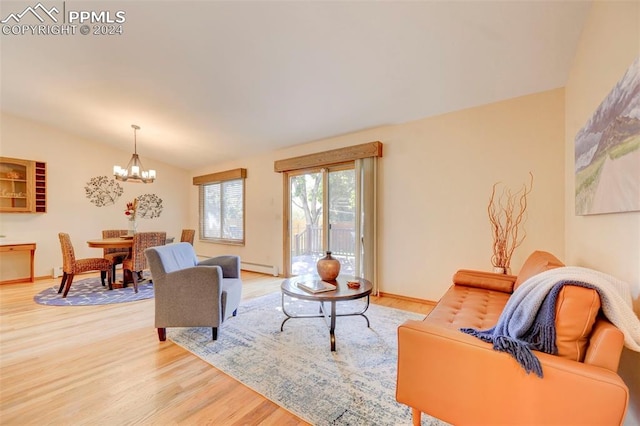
<point x="607" y="151"/>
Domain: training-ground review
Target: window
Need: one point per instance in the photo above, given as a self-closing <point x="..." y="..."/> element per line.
<point x="222" y="206"/>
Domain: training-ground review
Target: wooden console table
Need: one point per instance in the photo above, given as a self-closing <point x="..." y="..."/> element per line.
<point x="19" y="247"/>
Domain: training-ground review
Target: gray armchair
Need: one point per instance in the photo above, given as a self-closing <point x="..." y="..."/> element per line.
<point x="189" y="293"/>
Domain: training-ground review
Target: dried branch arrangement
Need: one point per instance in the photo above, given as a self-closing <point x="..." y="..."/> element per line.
<point x="506" y="215"/>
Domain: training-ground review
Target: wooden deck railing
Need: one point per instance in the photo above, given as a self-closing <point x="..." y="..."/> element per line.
<point x="309" y="241"/>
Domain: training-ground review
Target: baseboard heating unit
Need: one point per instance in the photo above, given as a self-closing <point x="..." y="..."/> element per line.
<point x="258" y="267"/>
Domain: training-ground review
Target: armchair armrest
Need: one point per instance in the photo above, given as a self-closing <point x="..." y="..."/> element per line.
<point x="230" y="265"/>
<point x="486" y="280"/>
<point x="462" y="380"/>
<point x="199" y="288"/>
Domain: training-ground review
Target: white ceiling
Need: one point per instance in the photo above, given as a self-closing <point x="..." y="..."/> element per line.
<point x="213" y="81"/>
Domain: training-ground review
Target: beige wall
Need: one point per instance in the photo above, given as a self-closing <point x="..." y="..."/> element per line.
<point x="71" y="163"/>
<point x="435" y="181"/>
<point x="610" y="242"/>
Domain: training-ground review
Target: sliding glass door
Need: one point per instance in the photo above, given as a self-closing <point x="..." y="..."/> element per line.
<point x="322" y="217"/>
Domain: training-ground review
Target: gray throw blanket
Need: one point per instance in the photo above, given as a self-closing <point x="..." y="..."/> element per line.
<point x="540" y="336"/>
<point x="527" y="322"/>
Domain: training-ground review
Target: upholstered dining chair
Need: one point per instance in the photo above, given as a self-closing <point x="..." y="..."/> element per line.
<point x="114" y="255"/>
<point x="138" y="262"/>
<point x="187" y="236"/>
<point x="72" y="266"/>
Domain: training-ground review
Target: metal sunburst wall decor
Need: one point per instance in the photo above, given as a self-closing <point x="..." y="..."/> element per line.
<point x="149" y="206"/>
<point x="103" y="191"/>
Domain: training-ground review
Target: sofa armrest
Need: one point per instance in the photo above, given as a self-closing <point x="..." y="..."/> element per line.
<point x="230" y="265"/>
<point x="605" y="345"/>
<point x="486" y="280"/>
<point x="462" y="380"/>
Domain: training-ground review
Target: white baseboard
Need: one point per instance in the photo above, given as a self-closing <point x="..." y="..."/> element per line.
<point x="56" y="271"/>
<point x="258" y="267"/>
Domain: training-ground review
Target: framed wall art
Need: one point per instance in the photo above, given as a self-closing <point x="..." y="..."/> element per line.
<point x="607" y="151"/>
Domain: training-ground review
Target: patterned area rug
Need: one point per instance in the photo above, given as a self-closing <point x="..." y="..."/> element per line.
<point x="297" y="370"/>
<point x="90" y="291"/>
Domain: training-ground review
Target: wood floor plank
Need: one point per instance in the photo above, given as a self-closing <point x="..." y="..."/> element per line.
<point x="104" y="365"/>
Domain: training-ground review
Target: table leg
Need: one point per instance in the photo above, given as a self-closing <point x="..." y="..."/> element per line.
<point x="332" y="328"/>
<point x="33" y="253"/>
<point x="284" y="311"/>
<point x="330" y="318"/>
<point x="127" y="277"/>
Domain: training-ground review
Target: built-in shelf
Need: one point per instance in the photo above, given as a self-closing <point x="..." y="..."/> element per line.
<point x="23" y="186"/>
<point x="41" y="187"/>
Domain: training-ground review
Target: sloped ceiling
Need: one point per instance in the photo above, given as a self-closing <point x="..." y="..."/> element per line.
<point x="214" y="81"/>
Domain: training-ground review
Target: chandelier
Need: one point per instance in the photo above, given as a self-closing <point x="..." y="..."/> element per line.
<point x="134" y="172"/>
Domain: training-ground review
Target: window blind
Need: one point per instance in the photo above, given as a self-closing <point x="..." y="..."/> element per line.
<point x="222" y="206"/>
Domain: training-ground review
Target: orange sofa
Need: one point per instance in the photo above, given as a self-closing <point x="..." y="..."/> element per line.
<point x="462" y="380"/>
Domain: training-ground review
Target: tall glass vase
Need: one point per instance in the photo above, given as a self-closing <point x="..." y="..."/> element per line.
<point x="133" y="226"/>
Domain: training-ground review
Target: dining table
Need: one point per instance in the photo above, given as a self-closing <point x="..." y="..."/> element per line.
<point x="117" y="242"/>
<point x="123" y="242"/>
<point x="120" y="242"/>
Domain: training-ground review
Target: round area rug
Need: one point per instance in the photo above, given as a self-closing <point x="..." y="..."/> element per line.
<point x="90" y="291"/>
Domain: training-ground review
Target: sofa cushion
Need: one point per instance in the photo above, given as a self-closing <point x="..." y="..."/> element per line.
<point x="576" y="307"/>
<point x="538" y="261"/>
<point x="576" y="312"/>
<point x="463" y="306"/>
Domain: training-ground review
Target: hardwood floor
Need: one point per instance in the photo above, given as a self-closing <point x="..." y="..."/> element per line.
<point x="98" y="365"/>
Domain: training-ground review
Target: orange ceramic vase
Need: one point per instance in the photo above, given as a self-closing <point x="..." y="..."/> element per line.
<point x="328" y="267"/>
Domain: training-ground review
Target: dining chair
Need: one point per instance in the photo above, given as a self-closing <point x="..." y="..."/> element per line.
<point x="72" y="266"/>
<point x="114" y="255"/>
<point x="187" y="236"/>
<point x="137" y="262"/>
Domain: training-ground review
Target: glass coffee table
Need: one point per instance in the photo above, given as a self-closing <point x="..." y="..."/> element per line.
<point x="327" y="300"/>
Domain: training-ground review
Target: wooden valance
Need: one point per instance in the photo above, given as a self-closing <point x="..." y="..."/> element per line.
<point x="220" y="176"/>
<point x="334" y="156"/>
